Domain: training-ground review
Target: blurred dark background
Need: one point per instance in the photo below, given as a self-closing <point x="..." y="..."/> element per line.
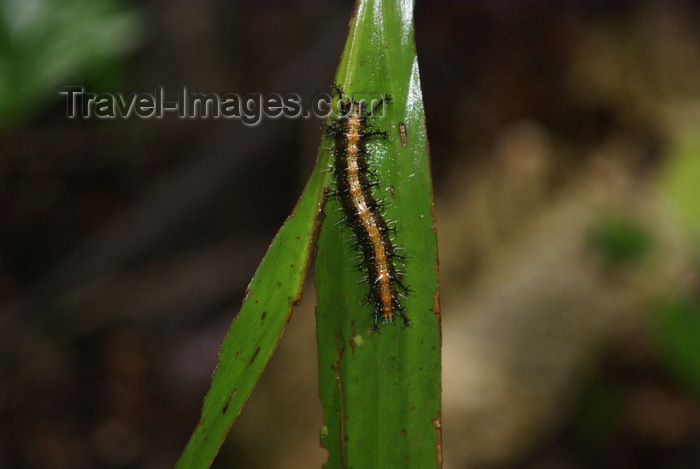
<point x="565" y="146"/>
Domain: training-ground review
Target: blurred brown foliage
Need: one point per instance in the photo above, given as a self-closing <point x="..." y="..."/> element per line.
<point x="126" y="246"/>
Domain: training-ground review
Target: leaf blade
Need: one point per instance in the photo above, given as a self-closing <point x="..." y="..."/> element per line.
<point x="381" y="393"/>
<point x="275" y="288"/>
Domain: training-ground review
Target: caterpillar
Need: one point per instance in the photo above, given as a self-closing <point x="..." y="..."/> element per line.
<point x="362" y="213"/>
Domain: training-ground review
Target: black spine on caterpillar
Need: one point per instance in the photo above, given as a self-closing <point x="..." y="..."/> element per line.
<point x="362" y="212"/>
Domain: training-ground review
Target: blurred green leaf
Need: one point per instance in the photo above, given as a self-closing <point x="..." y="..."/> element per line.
<point x="620" y="240"/>
<point x="48" y="43"/>
<point x="681" y="178"/>
<point x="679" y="341"/>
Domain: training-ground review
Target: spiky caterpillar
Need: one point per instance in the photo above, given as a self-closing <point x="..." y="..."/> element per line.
<point x="354" y="183"/>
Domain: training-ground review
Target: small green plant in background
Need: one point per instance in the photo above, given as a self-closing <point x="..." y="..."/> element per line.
<point x="620" y="240"/>
<point x="380" y="392"/>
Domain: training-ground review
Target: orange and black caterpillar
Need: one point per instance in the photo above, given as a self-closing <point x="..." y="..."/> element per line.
<point x="354" y="182"/>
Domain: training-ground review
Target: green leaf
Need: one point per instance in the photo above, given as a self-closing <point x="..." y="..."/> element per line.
<point x="381" y="392"/>
<point x="249" y="343"/>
